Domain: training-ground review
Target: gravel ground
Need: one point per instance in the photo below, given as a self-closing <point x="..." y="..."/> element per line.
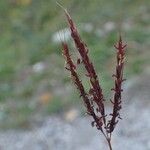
<point x="57" y="134"/>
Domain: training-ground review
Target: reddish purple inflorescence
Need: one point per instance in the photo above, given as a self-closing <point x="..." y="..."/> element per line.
<point x="93" y="99"/>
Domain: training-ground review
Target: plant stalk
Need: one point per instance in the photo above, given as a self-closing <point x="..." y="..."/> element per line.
<point x="109" y="143"/>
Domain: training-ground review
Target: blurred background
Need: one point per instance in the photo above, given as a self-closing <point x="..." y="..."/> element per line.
<point x="35" y="90"/>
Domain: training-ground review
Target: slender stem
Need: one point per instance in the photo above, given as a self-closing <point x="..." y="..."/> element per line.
<point x="109" y="143"/>
<point x="108" y="139"/>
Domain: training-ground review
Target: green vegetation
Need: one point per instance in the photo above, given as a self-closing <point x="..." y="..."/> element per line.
<point x="31" y="64"/>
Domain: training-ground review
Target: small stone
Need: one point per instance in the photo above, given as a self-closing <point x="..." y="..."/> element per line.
<point x="71" y="115"/>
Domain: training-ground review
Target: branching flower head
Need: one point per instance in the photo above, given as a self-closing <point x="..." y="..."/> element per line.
<point x="94" y="99"/>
